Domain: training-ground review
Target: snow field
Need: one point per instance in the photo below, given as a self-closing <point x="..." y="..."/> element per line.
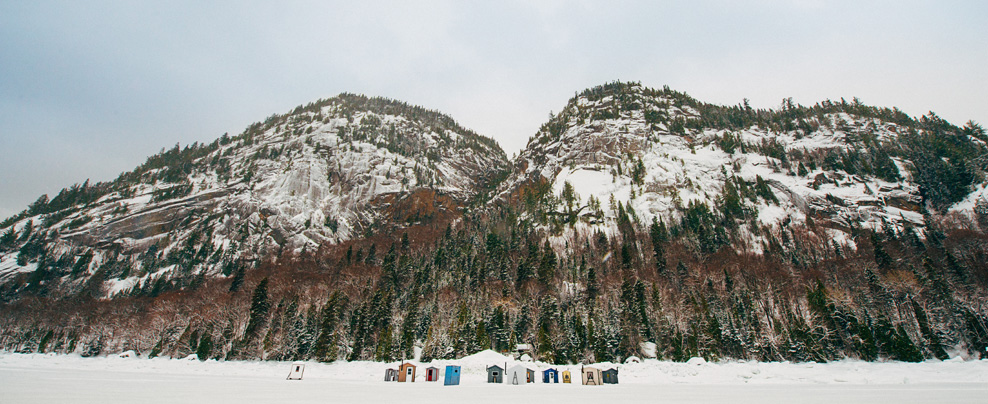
<point x="36" y="378"/>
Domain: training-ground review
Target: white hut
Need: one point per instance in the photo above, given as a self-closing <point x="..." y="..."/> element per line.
<point x="517" y="374"/>
<point x="297" y="369"/>
<point x="592" y="377"/>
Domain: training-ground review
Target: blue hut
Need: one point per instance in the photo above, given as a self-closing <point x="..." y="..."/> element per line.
<point x="452" y="375"/>
<point x="550" y="376"/>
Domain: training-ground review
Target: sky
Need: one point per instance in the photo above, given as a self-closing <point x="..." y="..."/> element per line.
<point x="91" y="89"/>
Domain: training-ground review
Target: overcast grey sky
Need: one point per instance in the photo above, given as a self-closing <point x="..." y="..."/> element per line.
<point x="89" y="89"/>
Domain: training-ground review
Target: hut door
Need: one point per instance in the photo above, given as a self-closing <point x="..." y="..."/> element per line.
<point x="408" y="375"/>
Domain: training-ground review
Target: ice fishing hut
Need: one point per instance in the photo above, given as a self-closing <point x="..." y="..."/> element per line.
<point x="452" y="375"/>
<point x="567" y="377"/>
<point x="297" y="369"/>
<point x="494" y="374"/>
<point x="609" y="376"/>
<point x="550" y="376"/>
<point x="518" y="374"/>
<point x="431" y="374"/>
<point x="391" y="375"/>
<point x="406" y="372"/>
<point x="591" y="377"/>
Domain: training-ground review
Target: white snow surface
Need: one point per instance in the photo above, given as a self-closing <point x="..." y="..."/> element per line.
<point x="39" y="378"/>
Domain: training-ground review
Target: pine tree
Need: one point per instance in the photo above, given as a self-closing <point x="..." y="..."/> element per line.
<point x="659" y="235"/>
<point x="593" y="288"/>
<point x="259" y="307"/>
<point x="371" y="258"/>
<point x="324" y="349"/>
<point x="8" y="238"/>
<point x="408" y="329"/>
<point x="547" y="265"/>
<point x="205" y="345"/>
<point x="385" y="346"/>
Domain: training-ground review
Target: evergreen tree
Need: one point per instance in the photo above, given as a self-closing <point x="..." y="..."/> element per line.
<point x="659" y="235"/>
<point x="385" y="346"/>
<point x="259" y="307"/>
<point x="371" y="258"/>
<point x="324" y="349"/>
<point x="205" y="345"/>
<point x="547" y="266"/>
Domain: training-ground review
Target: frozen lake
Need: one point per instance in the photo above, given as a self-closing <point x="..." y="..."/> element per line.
<point x="71" y="379"/>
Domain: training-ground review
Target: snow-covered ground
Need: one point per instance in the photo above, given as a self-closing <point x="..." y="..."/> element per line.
<point x="35" y="378"/>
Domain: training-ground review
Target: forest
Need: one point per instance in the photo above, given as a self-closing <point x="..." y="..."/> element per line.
<point x="494" y="280"/>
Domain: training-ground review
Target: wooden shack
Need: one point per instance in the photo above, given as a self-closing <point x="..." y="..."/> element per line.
<point x="406" y="372"/>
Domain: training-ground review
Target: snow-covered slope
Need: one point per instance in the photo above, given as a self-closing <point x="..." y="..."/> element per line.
<point x="658" y="153"/>
<point x="325" y="173"/>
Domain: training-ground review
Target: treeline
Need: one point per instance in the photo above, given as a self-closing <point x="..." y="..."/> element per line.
<point x="347" y="105"/>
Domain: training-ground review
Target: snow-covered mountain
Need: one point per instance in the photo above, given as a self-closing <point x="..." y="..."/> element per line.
<point x="660" y="154"/>
<point x="327" y="172"/>
<point x="637" y="222"/>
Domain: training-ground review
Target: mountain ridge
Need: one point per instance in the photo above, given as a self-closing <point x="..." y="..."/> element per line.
<point x="367" y="227"/>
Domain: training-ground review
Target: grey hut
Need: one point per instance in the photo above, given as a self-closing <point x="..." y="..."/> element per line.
<point x="432" y="374"/>
<point x="391" y="375"/>
<point x="495" y="374"/>
<point x="610" y="376"/>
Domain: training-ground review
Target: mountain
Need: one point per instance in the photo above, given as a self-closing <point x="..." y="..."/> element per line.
<point x="637" y="221"/>
<point x="325" y="173"/>
<point x="836" y="165"/>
